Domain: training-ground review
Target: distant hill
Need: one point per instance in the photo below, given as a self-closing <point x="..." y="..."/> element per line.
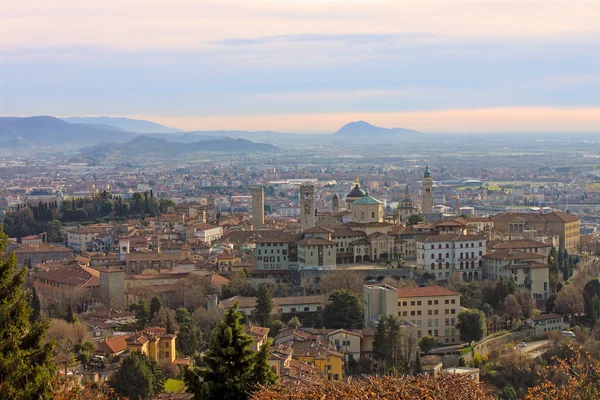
<point x="362" y="128"/>
<point x="45" y="131"/>
<point x="126" y="124"/>
<point x="144" y="145"/>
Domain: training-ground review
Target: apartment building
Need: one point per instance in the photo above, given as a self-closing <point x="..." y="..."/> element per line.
<point x="432" y="309"/>
<point x="447" y="255"/>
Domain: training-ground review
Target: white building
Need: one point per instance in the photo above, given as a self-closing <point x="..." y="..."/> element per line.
<point x="208" y="233"/>
<point x="452" y="255"/>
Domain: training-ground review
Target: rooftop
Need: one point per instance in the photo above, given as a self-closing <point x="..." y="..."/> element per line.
<point x="427" y="291"/>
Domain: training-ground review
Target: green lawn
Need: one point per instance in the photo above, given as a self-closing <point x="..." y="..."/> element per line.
<point x="174" y="386"/>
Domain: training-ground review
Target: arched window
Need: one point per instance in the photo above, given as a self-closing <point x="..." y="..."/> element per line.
<point x="480" y="263"/>
<point x="432" y="266"/>
<point x="472" y="264"/>
<point x="447" y="264"/>
<point x="439" y="274"/>
<point x="461" y="265"/>
<point x="439" y="265"/>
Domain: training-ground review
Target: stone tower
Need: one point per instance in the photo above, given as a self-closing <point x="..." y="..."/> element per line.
<point x="335" y="203"/>
<point x="112" y="287"/>
<point x="211" y="210"/>
<point x="258" y="208"/>
<point x="307" y="207"/>
<point x="427" y="194"/>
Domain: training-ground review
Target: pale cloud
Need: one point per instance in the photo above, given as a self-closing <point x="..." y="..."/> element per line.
<point x="188" y="24"/>
<point x="503" y="119"/>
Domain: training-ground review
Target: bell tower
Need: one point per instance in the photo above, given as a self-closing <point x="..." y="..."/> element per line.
<point x="258" y="208"/>
<point x="427" y="194"/>
<point x="211" y="210"/>
<point x="307" y="207"/>
<point x="335" y="203"/>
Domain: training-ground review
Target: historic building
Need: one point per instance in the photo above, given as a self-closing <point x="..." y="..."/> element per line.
<point x="427" y="194"/>
<point x="407" y="207"/>
<point x="258" y="208"/>
<point x="307" y="206"/>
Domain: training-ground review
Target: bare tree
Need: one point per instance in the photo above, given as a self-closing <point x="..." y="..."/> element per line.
<point x="526" y="302"/>
<point x="195" y="290"/>
<point x="353" y="281"/>
<point x="569" y="301"/>
<point x="511" y="309"/>
<point x="409" y="346"/>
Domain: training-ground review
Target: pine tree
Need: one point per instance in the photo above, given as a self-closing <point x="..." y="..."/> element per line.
<point x="138" y="377"/>
<point x="69" y="317"/>
<point x="155" y="306"/>
<point x="26" y="364"/>
<point x="36" y="308"/>
<point x="169" y="326"/>
<point x="418" y="365"/>
<point x="559" y="260"/>
<point x="379" y="340"/>
<point x="229" y="364"/>
<point x="264" y="305"/>
<point x="262" y="373"/>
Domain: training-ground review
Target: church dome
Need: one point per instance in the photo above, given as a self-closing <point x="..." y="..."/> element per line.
<point x="356" y="192"/>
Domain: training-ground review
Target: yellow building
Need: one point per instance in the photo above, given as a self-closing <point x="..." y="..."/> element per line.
<point x="432" y="309"/>
<point x="154" y="342"/>
<point x="329" y="362"/>
<point x="565" y="225"/>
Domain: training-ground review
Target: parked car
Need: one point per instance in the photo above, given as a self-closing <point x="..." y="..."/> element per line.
<point x="521" y="345"/>
<point x="567" y="333"/>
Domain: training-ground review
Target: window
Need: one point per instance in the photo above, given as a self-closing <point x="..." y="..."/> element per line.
<point x="447" y="321"/>
<point x="453" y="301"/>
<point x="404" y="313"/>
<point x="419" y="323"/>
<point x="453" y="311"/>
<point x="319" y="308"/>
<point x="429" y="332"/>
<point x="429" y="323"/>
<point x="436" y="312"/>
<point x="419" y="302"/>
<point x="435" y="332"/>
<point x="429" y="312"/>
<point x="435" y="322"/>
<point x="306" y="309"/>
<point x="412" y="303"/>
<point x="404" y="303"/>
<point x="447" y="301"/>
<point x="446" y="311"/>
<point x="419" y="312"/>
<point x="412" y="313"/>
<point x="435" y="302"/>
<point x="453" y="322"/>
<point x="428" y="302"/>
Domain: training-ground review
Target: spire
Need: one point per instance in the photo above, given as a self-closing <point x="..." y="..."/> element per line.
<point x="407" y="193"/>
<point x="357" y="181"/>
<point x="427" y="172"/>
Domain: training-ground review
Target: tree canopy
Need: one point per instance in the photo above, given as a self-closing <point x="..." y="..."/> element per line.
<point x="138" y="377"/>
<point x="343" y="311"/>
<point x="229" y="370"/>
<point x="26" y="364"/>
<point x="472" y="325"/>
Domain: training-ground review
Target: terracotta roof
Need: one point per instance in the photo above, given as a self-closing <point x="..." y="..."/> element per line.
<point x="543" y="317"/>
<point x="318" y="229"/>
<point x="427" y="291"/>
<point x="312" y="349"/>
<point x="218" y="280"/>
<point x="112" y="345"/>
<point x="315" y="242"/>
<point x="355" y="333"/>
<point x="73" y="275"/>
<point x="516" y="244"/>
<point x="528" y="264"/>
<point x="560" y="216"/>
<point x="451" y="237"/>
<point x="257" y="332"/>
<point x="509" y="254"/>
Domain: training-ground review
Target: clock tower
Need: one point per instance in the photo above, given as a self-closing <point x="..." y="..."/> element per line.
<point x="307" y="207"/>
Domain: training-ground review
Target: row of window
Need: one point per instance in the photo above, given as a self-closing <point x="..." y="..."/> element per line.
<point x="283" y="251"/>
<point x="429" y="302"/>
<point x="435" y="333"/>
<point x="466" y="255"/>
<point x="271" y="259"/>
<point x="453" y="245"/>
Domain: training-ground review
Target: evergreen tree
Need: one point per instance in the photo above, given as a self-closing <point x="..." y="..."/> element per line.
<point x="472" y="325"/>
<point x="379" y="349"/>
<point x="138" y="377"/>
<point x="560" y="260"/>
<point x="418" y="365"/>
<point x="343" y="311"/>
<point x="36" y="307"/>
<point x="26" y="363"/>
<point x="155" y="306"/>
<point x="169" y="325"/>
<point x="229" y="369"/>
<point x="69" y="316"/>
<point x="264" y="305"/>
<point x="262" y="374"/>
<point x="141" y="313"/>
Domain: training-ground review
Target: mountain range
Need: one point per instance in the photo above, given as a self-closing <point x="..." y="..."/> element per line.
<point x="145" y="145"/>
<point x="45" y="131"/>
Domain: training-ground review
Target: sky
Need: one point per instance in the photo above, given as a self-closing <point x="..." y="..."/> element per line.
<point x="307" y="66"/>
